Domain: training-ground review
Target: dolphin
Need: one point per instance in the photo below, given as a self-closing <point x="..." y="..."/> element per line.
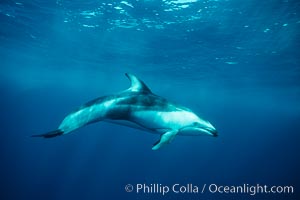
<point x="139" y="108"/>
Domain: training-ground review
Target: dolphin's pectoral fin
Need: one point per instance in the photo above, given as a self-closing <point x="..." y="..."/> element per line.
<point x="51" y="134"/>
<point x="165" y="138"/>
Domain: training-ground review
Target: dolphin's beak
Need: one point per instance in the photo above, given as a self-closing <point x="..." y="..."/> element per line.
<point x="212" y="131"/>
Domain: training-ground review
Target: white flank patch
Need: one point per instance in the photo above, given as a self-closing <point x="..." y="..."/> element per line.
<point x="160" y="120"/>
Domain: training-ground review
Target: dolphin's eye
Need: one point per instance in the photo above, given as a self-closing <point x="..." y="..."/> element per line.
<point x="195" y="124"/>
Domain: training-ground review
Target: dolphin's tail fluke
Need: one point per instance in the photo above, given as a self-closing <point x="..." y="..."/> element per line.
<point x="50" y="134"/>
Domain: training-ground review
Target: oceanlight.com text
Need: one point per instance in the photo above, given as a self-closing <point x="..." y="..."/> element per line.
<point x="250" y="189"/>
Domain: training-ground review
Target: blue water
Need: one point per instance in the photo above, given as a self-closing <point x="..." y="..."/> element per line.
<point x="236" y="63"/>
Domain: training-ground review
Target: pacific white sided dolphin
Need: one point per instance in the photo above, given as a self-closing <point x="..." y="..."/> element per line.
<point x="137" y="107"/>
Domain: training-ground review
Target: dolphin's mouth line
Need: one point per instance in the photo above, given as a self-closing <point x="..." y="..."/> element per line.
<point x="210" y="131"/>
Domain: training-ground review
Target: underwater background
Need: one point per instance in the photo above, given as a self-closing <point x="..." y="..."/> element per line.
<point x="235" y="63"/>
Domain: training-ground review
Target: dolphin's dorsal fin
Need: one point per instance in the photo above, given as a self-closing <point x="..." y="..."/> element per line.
<point x="137" y="85"/>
